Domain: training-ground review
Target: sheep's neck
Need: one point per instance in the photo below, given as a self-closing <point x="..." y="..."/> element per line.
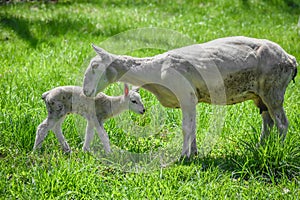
<point x="132" y="70"/>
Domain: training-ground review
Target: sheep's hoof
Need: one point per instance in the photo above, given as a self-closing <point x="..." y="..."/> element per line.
<point x="183" y="159"/>
<point x="186" y="159"/>
<point x="259" y="144"/>
<point x="37" y="150"/>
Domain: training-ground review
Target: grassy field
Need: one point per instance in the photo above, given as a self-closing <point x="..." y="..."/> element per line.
<point x="44" y="45"/>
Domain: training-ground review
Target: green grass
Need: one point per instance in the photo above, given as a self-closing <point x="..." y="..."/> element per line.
<point x="44" y="45"/>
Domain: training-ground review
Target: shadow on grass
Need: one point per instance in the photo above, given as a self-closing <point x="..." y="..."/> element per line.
<point x="63" y="22"/>
<point x="270" y="162"/>
<point x="36" y="30"/>
<point x="54" y="27"/>
<point x="20" y="27"/>
<point x="291" y="4"/>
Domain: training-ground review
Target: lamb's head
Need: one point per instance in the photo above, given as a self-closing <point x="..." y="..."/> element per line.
<point x="134" y="99"/>
<point x="99" y="73"/>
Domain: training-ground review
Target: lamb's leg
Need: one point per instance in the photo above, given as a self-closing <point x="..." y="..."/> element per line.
<point x="42" y="132"/>
<point x="103" y="136"/>
<point x="58" y="133"/>
<point x="189" y="129"/>
<point x="89" y="134"/>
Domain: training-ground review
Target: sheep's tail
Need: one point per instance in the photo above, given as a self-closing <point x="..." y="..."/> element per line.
<point x="294" y="63"/>
<point x="295" y="74"/>
<point x="44" y="95"/>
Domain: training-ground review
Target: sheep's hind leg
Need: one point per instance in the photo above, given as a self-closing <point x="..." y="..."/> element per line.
<point x="58" y="133"/>
<point x="281" y="121"/>
<point x="267" y="125"/>
<point x="42" y="132"/>
<point x="267" y="121"/>
<point x="277" y="113"/>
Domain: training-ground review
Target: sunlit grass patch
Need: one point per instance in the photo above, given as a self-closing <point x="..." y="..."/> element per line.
<point x="270" y="161"/>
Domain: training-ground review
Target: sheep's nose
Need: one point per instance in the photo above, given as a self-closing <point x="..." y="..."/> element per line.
<point x="143" y="111"/>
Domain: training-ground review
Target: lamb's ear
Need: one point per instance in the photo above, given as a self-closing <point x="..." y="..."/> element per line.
<point x="45" y="94"/>
<point x="126" y="89"/>
<point x="136" y="89"/>
<point x="101" y="52"/>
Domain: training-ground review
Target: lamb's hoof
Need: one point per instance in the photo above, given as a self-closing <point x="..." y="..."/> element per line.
<point x="67" y="151"/>
<point x="86" y="150"/>
<point x="109" y="152"/>
<point x="261" y="143"/>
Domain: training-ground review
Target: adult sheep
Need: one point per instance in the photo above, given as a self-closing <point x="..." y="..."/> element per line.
<point x="224" y="71"/>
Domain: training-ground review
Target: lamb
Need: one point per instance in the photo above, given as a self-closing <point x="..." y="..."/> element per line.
<point x="224" y="71"/>
<point x="64" y="100"/>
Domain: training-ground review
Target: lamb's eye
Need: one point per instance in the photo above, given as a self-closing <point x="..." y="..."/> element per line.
<point x="134" y="101"/>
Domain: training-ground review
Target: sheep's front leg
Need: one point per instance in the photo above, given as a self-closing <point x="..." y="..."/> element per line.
<point x="42" y="132"/>
<point x="103" y="136"/>
<point x="58" y="133"/>
<point x="189" y="131"/>
<point x="89" y="134"/>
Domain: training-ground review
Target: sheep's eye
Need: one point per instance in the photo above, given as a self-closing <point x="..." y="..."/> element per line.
<point x="134" y="101"/>
<point x="94" y="65"/>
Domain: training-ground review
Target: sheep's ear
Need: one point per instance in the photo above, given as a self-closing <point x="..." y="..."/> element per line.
<point x="126" y="89"/>
<point x="98" y="50"/>
<point x="101" y="52"/>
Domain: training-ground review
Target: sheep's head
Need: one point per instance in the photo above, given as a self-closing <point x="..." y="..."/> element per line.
<point x="99" y="74"/>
